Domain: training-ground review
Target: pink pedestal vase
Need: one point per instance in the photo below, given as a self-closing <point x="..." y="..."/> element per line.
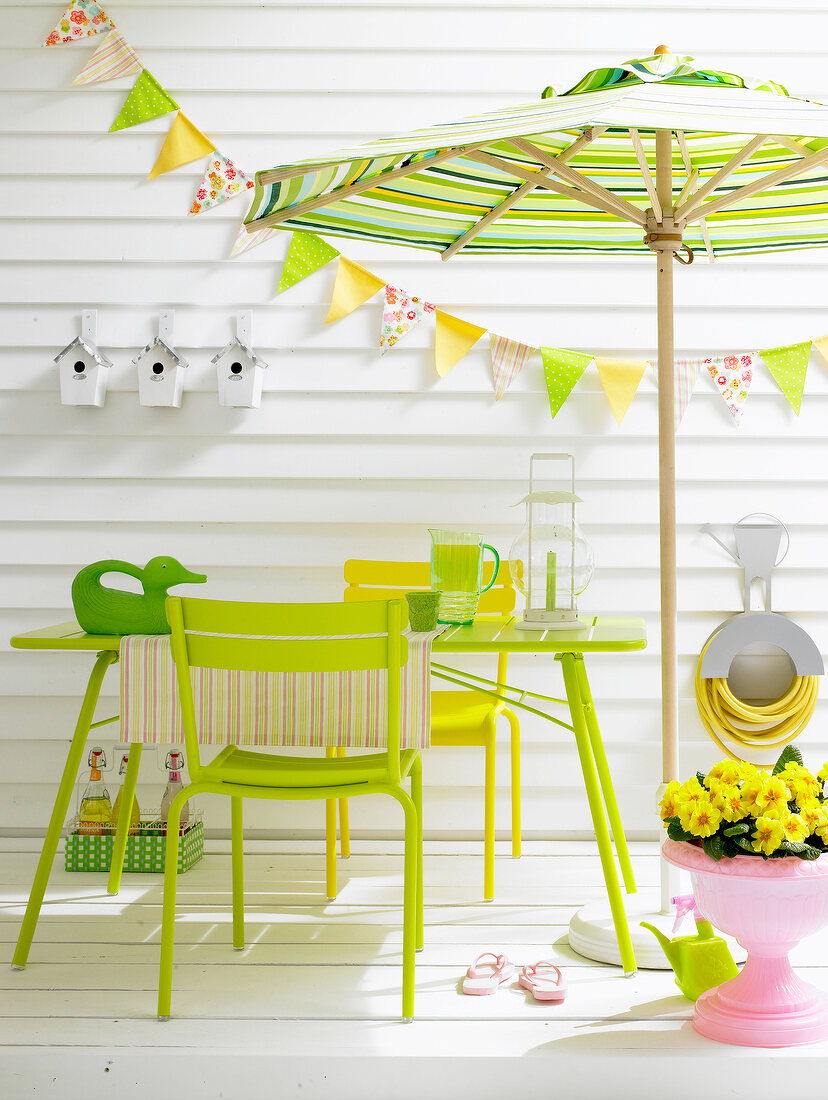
<point x="768" y="906"/>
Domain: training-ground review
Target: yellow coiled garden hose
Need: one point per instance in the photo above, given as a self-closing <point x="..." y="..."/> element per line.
<point x="764" y="727"/>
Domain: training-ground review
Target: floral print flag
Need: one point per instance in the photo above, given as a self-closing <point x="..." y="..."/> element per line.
<point x="222" y="180"/>
<point x="81" y="19"/>
<point x="732" y="376"/>
<point x="402" y="313"/>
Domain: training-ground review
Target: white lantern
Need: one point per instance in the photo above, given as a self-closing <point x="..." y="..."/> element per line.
<point x="551" y="560"/>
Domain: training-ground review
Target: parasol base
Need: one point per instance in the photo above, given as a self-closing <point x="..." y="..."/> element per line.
<point x="592" y="932"/>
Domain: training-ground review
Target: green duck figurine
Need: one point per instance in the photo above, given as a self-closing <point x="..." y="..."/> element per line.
<point x="101" y="610"/>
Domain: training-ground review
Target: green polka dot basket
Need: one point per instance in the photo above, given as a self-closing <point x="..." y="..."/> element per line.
<point x="145" y="851"/>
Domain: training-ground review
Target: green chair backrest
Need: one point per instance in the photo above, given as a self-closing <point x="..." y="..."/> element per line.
<point x="287" y="637"/>
<point x="387" y="580"/>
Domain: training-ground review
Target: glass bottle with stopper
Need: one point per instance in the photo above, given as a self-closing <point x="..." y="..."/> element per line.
<point x="95" y="815"/>
<point x="551" y="560"/>
<point x="174" y="763"/>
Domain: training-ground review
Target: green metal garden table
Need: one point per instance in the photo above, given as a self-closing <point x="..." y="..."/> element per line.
<point x="598" y="634"/>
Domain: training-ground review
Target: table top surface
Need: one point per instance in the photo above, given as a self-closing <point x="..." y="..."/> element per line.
<point x="598" y="634"/>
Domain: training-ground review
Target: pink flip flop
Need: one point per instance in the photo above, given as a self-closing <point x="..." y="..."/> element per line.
<point x="549" y="985"/>
<point x="487" y="974"/>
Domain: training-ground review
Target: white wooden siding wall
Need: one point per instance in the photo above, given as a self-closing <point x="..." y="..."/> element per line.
<point x="351" y="455"/>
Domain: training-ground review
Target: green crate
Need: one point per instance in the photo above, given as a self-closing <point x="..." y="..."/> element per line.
<point x="145" y="852"/>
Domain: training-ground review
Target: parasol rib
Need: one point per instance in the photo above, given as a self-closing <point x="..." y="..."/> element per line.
<point x="763" y="184"/>
<point x="689" y="187"/>
<point x="645" y="173"/>
<point x="569" y="175"/>
<point x="705" y="232"/>
<point x="355" y="189"/>
<point x="683" y="213"/>
<point x="551" y="185"/>
<point x="525" y="188"/>
<point x="685" y="152"/>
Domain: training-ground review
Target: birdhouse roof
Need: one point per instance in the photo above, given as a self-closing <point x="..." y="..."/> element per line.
<point x="236" y="344"/>
<point x="159" y="345"/>
<point x="100" y="358"/>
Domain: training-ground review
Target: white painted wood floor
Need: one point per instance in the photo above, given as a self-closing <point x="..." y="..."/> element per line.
<point x="310" y="1007"/>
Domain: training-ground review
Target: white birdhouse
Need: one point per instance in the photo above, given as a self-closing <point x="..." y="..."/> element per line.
<point x="240" y="370"/>
<point x="83" y="367"/>
<point x="161" y="368"/>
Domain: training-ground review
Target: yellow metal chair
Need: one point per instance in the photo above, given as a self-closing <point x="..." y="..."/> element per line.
<point x="253" y="637"/>
<point x="458" y="718"/>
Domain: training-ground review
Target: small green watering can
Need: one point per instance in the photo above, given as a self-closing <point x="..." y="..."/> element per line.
<point x="701" y="961"/>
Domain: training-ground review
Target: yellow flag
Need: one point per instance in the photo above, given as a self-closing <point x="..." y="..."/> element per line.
<point x="821" y="344"/>
<point x="354" y="285"/>
<point x="454" y="338"/>
<point x="184" y="143"/>
<point x="620" y="379"/>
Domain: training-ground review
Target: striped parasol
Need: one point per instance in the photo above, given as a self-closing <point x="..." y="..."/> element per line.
<point x="653" y="155"/>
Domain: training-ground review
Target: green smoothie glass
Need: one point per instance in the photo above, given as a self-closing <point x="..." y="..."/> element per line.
<point x="457" y="573"/>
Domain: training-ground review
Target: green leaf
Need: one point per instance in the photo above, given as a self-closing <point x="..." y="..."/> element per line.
<point x="744" y="844"/>
<point x="701" y="777"/>
<point x="739" y="829"/>
<point x="675" y="832"/>
<point x="788" y="754"/>
<point x="713" y="847"/>
<point x="803" y="851"/>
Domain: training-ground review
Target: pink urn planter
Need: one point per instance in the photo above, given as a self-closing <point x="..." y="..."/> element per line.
<point x="768" y="906"/>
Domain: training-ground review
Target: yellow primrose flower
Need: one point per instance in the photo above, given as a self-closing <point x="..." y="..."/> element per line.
<point x="691" y="791"/>
<point x="815" y="817"/>
<point x="772" y="797"/>
<point x="704" y="819"/>
<point x="802" y="784"/>
<point x="728" y="801"/>
<point x="748" y="771"/>
<point x="823" y="772"/>
<point x="669" y="802"/>
<point x="768" y="836"/>
<point x="685" y="814"/>
<point x="727" y="772"/>
<point x="749" y="790"/>
<point x="794" y="827"/>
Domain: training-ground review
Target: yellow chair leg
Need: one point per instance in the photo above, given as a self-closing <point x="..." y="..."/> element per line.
<point x="489" y="814"/>
<point x="237" y="861"/>
<point x="417" y="799"/>
<point x="122" y="829"/>
<point x="344" y="830"/>
<point x="330" y="838"/>
<point x="596" y="809"/>
<point x="514" y="733"/>
<point x="168" y="908"/>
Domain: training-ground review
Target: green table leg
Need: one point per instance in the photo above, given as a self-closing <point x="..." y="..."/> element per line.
<point x="122" y="829"/>
<point x="61" y="808"/>
<point x="596" y="809"/>
<point x="604" y="776"/>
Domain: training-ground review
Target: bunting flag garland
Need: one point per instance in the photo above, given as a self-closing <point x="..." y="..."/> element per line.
<point x="453" y="338"/>
<point x="687" y="374"/>
<point x="81" y="19"/>
<point x="354" y="285"/>
<point x="222" y="180"/>
<point x="508" y="359"/>
<point x="307" y="253"/>
<point x="620" y="379"/>
<point x="184" y="143"/>
<point x="732" y="376"/>
<point x="402" y="313"/>
<point x="787" y="367"/>
<point x="562" y="370"/>
<point x="821" y="344"/>
<point x="245" y="241"/>
<point x="146" y="101"/>
<point x="113" y="58"/>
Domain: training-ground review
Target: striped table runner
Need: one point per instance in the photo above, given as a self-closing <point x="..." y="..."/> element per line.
<point x="291" y="709"/>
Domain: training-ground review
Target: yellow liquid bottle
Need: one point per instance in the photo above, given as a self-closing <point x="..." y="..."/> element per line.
<point x="135" y="815"/>
<point x="95" y="808"/>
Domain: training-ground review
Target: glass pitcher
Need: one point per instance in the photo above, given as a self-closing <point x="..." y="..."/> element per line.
<point x="457" y="573"/>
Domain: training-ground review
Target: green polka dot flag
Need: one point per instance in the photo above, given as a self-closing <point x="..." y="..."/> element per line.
<point x="562" y="370"/>
<point x="307" y="253"/>
<point x="146" y="100"/>
<point x="787" y="367"/>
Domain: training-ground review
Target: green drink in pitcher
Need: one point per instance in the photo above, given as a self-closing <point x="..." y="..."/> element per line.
<point x="457" y="573"/>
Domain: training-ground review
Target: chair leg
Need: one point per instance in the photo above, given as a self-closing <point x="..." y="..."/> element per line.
<point x="122" y="830"/>
<point x="409" y="902"/>
<point x="417" y="799"/>
<point x="237" y="859"/>
<point x="344" y="830"/>
<point x="168" y="909"/>
<point x="489" y="814"/>
<point x="330" y="838"/>
<point x="514" y="732"/>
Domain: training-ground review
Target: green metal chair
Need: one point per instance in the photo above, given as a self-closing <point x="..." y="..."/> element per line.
<point x="293" y="638"/>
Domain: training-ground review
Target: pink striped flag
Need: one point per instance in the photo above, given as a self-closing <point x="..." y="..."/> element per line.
<point x="508" y="359"/>
<point x="687" y="374"/>
<point x="113" y="58"/>
<point x="245" y="241"/>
